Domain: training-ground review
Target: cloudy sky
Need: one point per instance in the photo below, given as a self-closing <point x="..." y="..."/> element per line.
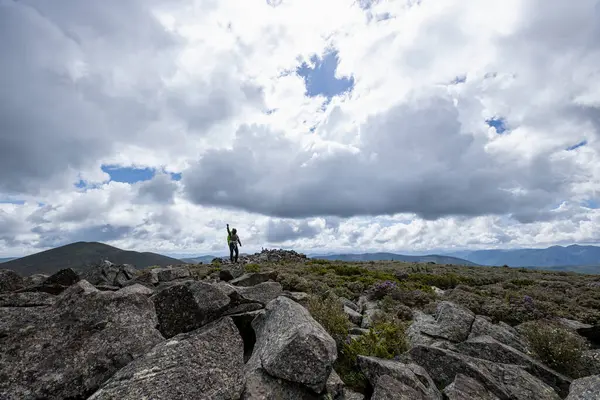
<point x="338" y="125"/>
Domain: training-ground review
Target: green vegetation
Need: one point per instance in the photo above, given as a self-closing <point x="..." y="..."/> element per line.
<point x="386" y="339"/>
<point x="328" y="311"/>
<point x="252" y="268"/>
<point x="496" y="292"/>
<point x="558" y="347"/>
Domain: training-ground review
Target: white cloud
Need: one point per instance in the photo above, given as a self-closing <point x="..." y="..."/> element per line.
<point x="405" y="162"/>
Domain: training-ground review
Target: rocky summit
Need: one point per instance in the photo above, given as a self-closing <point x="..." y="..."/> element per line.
<point x="245" y="331"/>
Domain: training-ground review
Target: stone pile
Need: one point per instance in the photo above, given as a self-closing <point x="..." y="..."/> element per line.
<point x="160" y="334"/>
<point x="266" y="256"/>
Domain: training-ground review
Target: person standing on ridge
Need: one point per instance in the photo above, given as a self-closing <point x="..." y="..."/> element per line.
<point x="233" y="239"/>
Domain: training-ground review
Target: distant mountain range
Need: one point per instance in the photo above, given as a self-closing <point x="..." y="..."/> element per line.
<point x="81" y="255"/>
<point x="556" y="257"/>
<point x="198" y="259"/>
<point x="438" y="259"/>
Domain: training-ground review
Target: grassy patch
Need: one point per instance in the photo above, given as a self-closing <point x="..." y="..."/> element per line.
<point x="252" y="268"/>
<point x="386" y="339"/>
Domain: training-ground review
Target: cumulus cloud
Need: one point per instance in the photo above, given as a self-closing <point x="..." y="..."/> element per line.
<point x="403" y="161"/>
<point x="283" y="231"/>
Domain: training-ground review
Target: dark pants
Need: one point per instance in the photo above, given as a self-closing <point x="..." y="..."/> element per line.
<point x="233" y="247"/>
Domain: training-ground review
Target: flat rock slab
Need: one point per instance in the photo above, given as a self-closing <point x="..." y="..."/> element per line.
<point x="169" y="274"/>
<point x="204" y="364"/>
<point x="355" y="317"/>
<point x="261" y="293"/>
<point x="69" y="349"/>
<point x="502" y="332"/>
<point x="254" y="278"/>
<point x="488" y="348"/>
<point x="465" y="388"/>
<point x="388" y="388"/>
<point x="411" y="375"/>
<point x="299" y="297"/>
<point x="507" y="382"/>
<point x="137" y="288"/>
<point x="452" y="322"/>
<point x="187" y="306"/>
<point x="262" y="386"/>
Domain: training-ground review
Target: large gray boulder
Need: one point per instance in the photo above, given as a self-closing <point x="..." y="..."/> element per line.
<point x="137" y="288"/>
<point x="292" y="346"/>
<point x="261" y="293"/>
<point x="587" y="388"/>
<point x="204" y="364"/>
<point x="355" y="317"/>
<point x="170" y="273"/>
<point x="466" y="388"/>
<point x="188" y="305"/>
<point x="67" y="350"/>
<point x="109" y="274"/>
<point x="488" y="348"/>
<point x="262" y="386"/>
<point x="410" y="375"/>
<point x="35" y="279"/>
<point x="414" y="334"/>
<point x="10" y="281"/>
<point x="590" y="361"/>
<point x="503" y="380"/>
<point x="301" y="298"/>
<point x="65" y="277"/>
<point x="350" y="304"/>
<point x="502" y="332"/>
<point x="55" y="283"/>
<point x="369" y="315"/>
<point x="452" y="322"/>
<point x="229" y="272"/>
<point x="388" y="388"/>
<point x="254" y="278"/>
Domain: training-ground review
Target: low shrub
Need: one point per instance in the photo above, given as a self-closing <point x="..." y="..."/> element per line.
<point x="252" y="268"/>
<point x="293" y="282"/>
<point x="558" y="347"/>
<point x="329" y="312"/>
<point x="316" y="261"/>
<point x="413" y="297"/>
<point x="522" y="282"/>
<point x="386" y="339"/>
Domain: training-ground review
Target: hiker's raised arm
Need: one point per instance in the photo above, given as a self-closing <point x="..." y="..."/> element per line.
<point x="228" y="232"/>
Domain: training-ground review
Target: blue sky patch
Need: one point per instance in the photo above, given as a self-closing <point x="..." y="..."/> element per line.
<point x="497" y="123"/>
<point x="321" y="80"/>
<point x="578" y="145"/>
<point x="591" y="203"/>
<point x="7" y="201"/>
<point x="176" y="176"/>
<point x="128" y="174"/>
